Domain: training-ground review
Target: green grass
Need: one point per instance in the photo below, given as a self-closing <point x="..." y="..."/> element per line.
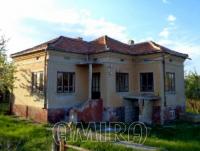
<point x="102" y="146"/>
<point x="4" y="108"/>
<point x="179" y="137"/>
<point x="23" y="135"/>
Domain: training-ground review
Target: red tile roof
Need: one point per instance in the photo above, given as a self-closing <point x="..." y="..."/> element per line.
<point x="102" y="44"/>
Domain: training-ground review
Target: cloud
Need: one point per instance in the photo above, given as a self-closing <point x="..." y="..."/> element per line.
<point x="188" y="47"/>
<point x="22" y="23"/>
<point x="171" y="18"/>
<point x="164" y="33"/>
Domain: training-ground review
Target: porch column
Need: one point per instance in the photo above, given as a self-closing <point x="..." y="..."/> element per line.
<point x="90" y="82"/>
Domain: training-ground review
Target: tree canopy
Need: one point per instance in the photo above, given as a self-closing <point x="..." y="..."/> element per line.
<point x="192" y="85"/>
<point x="6" y="68"/>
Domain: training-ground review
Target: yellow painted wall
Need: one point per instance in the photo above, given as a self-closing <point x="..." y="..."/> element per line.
<point x="22" y="86"/>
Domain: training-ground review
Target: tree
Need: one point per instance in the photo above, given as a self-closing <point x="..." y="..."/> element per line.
<point x="192" y="85"/>
<point x="6" y="68"/>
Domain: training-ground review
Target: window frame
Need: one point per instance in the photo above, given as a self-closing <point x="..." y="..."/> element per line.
<point x="37" y="82"/>
<point x="122" y="87"/>
<point x="96" y="85"/>
<point x="141" y="87"/>
<point x="171" y="86"/>
<point x="70" y="86"/>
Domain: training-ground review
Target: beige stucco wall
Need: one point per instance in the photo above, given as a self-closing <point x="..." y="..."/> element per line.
<point x="110" y="64"/>
<point x="66" y="62"/>
<point x="22" y="86"/>
<point x="176" y="66"/>
<point x="134" y="66"/>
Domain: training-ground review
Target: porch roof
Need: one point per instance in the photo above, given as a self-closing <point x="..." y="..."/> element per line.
<point x="89" y="62"/>
<point x="146" y="97"/>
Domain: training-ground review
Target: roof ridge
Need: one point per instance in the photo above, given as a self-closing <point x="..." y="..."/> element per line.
<point x="76" y="39"/>
<point x="117" y="41"/>
<point x="101" y="44"/>
<point x="155" y="45"/>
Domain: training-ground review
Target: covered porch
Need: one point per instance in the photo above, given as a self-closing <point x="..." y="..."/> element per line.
<point x="94" y="78"/>
<point x="139" y="107"/>
<point x="91" y="110"/>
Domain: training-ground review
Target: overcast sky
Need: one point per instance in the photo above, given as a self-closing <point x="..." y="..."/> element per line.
<point x="172" y="23"/>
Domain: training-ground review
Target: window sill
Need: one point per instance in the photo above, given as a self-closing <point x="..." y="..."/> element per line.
<point x="170" y="92"/>
<point x="123" y="93"/>
<point x="146" y="91"/>
<point x="65" y="93"/>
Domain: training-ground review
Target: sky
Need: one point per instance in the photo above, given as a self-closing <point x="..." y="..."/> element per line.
<point x="172" y="23"/>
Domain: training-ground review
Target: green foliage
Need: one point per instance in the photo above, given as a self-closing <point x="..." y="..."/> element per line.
<point x="193" y="106"/>
<point x="192" y="85"/>
<point x="6" y="68"/>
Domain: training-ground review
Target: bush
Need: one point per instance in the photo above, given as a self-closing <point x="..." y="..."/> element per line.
<point x="192" y="86"/>
<point x="193" y="106"/>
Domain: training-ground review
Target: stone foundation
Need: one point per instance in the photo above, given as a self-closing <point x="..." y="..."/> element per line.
<point x="29" y="112"/>
<point x="92" y="112"/>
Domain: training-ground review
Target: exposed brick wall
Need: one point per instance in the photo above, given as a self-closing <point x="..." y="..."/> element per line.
<point x="20" y="110"/>
<point x="91" y="112"/>
<point x="37" y="114"/>
<point x="29" y="112"/>
<point x="156" y="115"/>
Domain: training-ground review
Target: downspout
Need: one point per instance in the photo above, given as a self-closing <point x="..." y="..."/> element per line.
<point x="89" y="77"/>
<point x="164" y="79"/>
<point x="45" y="79"/>
<point x="163" y="104"/>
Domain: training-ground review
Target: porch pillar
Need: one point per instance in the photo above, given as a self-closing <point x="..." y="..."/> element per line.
<point x="90" y="82"/>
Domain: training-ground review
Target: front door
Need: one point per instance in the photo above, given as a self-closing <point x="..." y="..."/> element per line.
<point x="96" y="85"/>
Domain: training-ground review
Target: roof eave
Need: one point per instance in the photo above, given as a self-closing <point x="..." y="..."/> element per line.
<point x="25" y="52"/>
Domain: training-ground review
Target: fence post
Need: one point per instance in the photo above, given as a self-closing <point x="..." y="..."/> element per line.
<point x="62" y="145"/>
<point x="55" y="147"/>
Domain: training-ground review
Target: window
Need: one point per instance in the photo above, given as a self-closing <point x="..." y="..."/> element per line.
<point x="172" y="114"/>
<point x="96" y="82"/>
<point x="96" y="85"/>
<point x="65" y="82"/>
<point x="37" y="82"/>
<point x="146" y="82"/>
<point x="122" y="82"/>
<point x="170" y="82"/>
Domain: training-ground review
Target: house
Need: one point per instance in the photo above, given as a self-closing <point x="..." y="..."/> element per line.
<point x="99" y="80"/>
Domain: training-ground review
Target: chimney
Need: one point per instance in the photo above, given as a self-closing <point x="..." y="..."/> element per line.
<point x="131" y="42"/>
<point x="80" y="38"/>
